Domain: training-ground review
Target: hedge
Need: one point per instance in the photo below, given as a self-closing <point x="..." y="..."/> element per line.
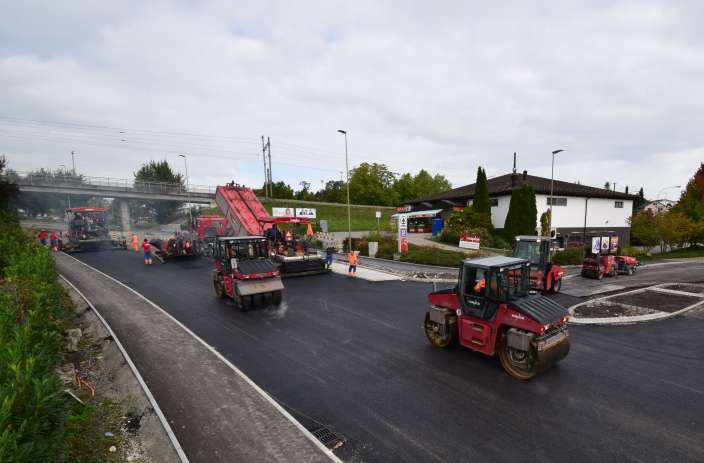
<point x="33" y="408"/>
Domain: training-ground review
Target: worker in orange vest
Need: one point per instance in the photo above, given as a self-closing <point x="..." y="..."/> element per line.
<point x="135" y="242"/>
<point x="352" y="257"/>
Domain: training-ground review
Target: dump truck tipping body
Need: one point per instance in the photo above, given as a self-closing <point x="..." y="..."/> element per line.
<point x="242" y="209"/>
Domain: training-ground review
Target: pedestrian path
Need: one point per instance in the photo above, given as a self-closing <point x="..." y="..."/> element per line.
<point x="364" y="273"/>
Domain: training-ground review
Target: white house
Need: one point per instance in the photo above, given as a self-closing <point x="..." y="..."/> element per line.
<point x="659" y="205"/>
<point x="579" y="211"/>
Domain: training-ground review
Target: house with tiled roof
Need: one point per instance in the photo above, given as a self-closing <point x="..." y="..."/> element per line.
<point x="579" y="211"/>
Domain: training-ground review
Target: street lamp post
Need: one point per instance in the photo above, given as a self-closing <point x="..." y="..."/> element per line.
<point x="73" y="161"/>
<point x="188" y="189"/>
<point x="349" y="209"/>
<point x="552" y="198"/>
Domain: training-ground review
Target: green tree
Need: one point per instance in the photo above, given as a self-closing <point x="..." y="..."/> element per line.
<point x="645" y="229"/>
<point x="639" y="202"/>
<point x="34" y="204"/>
<point x="280" y="190"/>
<point x="304" y="194"/>
<point x="481" y="193"/>
<point x="333" y="192"/>
<point x="405" y="188"/>
<point x="545" y="223"/>
<point x="372" y="184"/>
<point x="522" y="215"/>
<point x="691" y="202"/>
<point x="8" y="192"/>
<point x="408" y="187"/>
<point x="159" y="172"/>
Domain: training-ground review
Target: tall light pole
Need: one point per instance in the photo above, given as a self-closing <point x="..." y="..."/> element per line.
<point x="188" y="189"/>
<point x="552" y="181"/>
<point x="349" y="209"/>
<point x="73" y="162"/>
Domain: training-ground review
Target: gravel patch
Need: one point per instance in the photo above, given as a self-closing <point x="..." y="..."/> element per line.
<point x="606" y="309"/>
<point x="687" y="288"/>
<point x="655" y="300"/>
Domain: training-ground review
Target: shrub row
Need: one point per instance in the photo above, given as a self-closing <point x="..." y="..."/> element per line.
<point x="570" y="256"/>
<point x="33" y="408"/>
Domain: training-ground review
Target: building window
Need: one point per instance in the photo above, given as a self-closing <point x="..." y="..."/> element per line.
<point x="618" y="204"/>
<point x="494" y="202"/>
<point x="555" y="201"/>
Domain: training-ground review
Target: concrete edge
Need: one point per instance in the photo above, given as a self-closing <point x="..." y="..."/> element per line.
<point x="629" y="320"/>
<point x="326" y="451"/>
<point x="135" y="371"/>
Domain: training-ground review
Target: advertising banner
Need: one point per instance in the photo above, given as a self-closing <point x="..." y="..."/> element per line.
<point x="282" y="212"/>
<point x="604" y="244"/>
<point x="470" y="241"/>
<point x="402" y="233"/>
<point x="614" y="244"/>
<point x="305" y="212"/>
<point x="596" y="245"/>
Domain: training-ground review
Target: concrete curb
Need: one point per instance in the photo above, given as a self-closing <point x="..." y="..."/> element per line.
<point x="261" y="392"/>
<point x="629" y="320"/>
<point x="135" y="371"/>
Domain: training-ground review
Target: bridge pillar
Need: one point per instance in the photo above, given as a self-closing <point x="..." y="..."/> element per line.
<point x="125" y="216"/>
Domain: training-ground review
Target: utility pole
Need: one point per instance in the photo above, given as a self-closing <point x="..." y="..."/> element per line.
<point x="268" y="148"/>
<point x="349" y="210"/>
<point x="266" y="170"/>
<point x="73" y="162"/>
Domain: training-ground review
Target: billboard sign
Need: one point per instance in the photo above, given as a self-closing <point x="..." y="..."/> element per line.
<point x="604" y="244"/>
<point x="596" y="245"/>
<point x="305" y="212"/>
<point x="614" y="244"/>
<point x="402" y="233"/>
<point x="282" y="212"/>
<point x="470" y="241"/>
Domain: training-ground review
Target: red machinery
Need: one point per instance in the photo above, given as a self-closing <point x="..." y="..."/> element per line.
<point x="544" y="275"/>
<point x="88" y="230"/>
<point x="208" y="228"/>
<point x="180" y="246"/>
<point x="245" y="273"/>
<point x="492" y="311"/>
<point x="246" y="216"/>
<point x="598" y="264"/>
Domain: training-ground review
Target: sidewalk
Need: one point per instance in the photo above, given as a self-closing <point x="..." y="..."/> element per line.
<point x="217" y="413"/>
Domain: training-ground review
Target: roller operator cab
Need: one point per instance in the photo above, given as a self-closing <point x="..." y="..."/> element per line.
<point x="544" y="275"/>
<point x="493" y="310"/>
<point x="245" y="273"/>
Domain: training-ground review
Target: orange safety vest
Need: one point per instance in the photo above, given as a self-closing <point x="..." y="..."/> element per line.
<point x="352" y="257"/>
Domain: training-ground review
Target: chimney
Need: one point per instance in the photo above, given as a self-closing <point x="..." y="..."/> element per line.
<point x="525" y="175"/>
<point x="626" y="189"/>
<point x="514" y="162"/>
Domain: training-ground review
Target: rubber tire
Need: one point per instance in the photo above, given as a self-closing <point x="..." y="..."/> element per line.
<point x="451" y="340"/>
<point x="631" y="270"/>
<point x="219" y="289"/>
<point x="556" y="286"/>
<point x="247" y="303"/>
<point x="508" y="367"/>
<point x="276" y="297"/>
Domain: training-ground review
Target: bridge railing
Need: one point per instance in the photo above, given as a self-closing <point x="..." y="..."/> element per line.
<point x="108" y="183"/>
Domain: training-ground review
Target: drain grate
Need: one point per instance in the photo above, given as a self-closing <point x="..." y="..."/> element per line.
<point x="328" y="438"/>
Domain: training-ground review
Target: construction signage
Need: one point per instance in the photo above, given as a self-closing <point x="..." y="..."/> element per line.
<point x="282" y="212"/>
<point x="470" y="241"/>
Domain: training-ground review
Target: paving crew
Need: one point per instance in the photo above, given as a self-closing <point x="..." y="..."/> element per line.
<point x="43" y="235"/>
<point x="352" y="257"/>
<point x="135" y="242"/>
<point x="54" y="240"/>
<point x="147" y="248"/>
<point x="329" y="251"/>
<point x="479" y="282"/>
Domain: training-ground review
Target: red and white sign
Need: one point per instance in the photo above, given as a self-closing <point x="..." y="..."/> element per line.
<point x="470" y="241"/>
<point x="402" y="231"/>
<point x="283" y="212"/>
<point x="307" y="212"/>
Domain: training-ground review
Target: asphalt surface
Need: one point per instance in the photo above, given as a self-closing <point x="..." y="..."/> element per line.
<point x="351" y="355"/>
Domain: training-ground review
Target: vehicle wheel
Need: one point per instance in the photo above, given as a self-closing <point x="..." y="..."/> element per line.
<point x="435" y="337"/>
<point x="276" y="297"/>
<point x="631" y="270"/>
<point x="247" y="302"/>
<point x="599" y="276"/>
<point x="219" y="288"/>
<point x="515" y="362"/>
<point x="556" y="286"/>
<point x="238" y="301"/>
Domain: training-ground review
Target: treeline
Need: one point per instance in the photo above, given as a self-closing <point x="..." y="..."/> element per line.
<point x="680" y="226"/>
<point x="370" y="183"/>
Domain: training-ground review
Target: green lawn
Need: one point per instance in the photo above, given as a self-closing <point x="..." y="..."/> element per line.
<point x="692" y="251"/>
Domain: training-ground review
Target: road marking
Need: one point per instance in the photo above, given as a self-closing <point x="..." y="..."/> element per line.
<point x="675" y="291"/>
<point x="133" y="367"/>
<point x="239" y="372"/>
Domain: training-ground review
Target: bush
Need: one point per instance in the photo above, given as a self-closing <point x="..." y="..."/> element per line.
<point x="572" y="256"/>
<point x="33" y="409"/>
<point x="633" y="251"/>
<point x="428" y="255"/>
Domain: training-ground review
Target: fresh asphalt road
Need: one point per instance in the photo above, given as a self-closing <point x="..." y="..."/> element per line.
<point x="352" y="355"/>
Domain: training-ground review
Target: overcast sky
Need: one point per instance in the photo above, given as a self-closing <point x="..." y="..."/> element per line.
<point x="444" y="86"/>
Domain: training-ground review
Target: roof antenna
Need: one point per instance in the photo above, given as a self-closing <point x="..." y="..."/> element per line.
<point x="514" y="162"/>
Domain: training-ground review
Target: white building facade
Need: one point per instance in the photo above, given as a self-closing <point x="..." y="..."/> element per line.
<point x="579" y="211"/>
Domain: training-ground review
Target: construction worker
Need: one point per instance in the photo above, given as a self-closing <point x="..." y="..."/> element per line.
<point x="352" y="257"/>
<point x="329" y="251"/>
<point x="43" y="235"/>
<point x="479" y="282"/>
<point x="135" y="242"/>
<point x="54" y="240"/>
<point x="147" y="248"/>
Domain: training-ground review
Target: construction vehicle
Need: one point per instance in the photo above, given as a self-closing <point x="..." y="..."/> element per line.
<point x="207" y="228"/>
<point x="246" y="216"/>
<point x="245" y="273"/>
<point x="88" y="231"/>
<point x="544" y="275"/>
<point x="492" y="310"/>
<point x="600" y="262"/>
<point x="180" y="246"/>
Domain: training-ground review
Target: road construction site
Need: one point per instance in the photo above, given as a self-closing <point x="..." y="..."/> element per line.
<point x="348" y="362"/>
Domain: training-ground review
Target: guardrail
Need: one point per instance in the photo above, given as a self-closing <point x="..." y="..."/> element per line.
<point x="109" y="183"/>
